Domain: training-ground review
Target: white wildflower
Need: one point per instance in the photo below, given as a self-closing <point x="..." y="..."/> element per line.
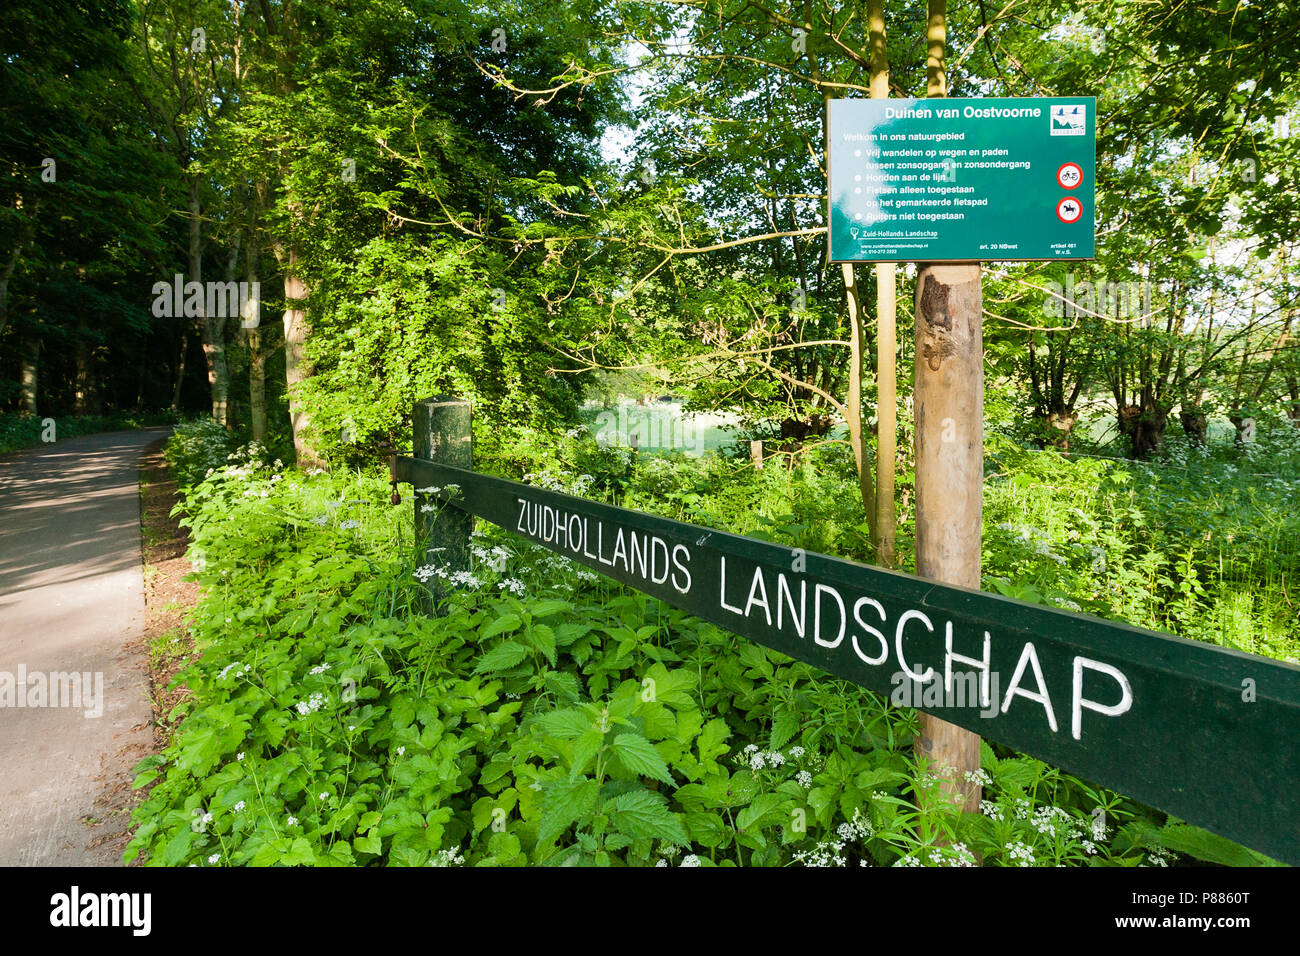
<point x="451" y="857"/>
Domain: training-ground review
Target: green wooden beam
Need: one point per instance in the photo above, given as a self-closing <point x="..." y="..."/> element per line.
<point x="1205" y="733"/>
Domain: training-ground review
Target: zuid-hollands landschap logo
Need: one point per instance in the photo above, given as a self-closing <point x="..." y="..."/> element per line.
<point x="77" y="909"/>
<point x="1068" y="119"/>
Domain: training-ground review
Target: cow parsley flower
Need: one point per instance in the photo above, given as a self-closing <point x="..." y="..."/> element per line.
<point x="978" y="778"/>
<point x="450" y="857"/>
<point x="312" y="704"/>
<point x="1022" y="854"/>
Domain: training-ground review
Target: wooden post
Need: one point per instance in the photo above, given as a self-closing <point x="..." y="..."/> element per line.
<point x="442" y="434"/>
<point x="949" y="403"/>
<point x="949" y="408"/>
<point x="756" y="453"/>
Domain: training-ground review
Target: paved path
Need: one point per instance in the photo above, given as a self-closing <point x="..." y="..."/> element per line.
<point x="71" y="597"/>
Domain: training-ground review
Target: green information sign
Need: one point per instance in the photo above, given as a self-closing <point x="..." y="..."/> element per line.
<point x="943" y="180"/>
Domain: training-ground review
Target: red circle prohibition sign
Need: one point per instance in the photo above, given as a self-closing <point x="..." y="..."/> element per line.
<point x="1069" y="175"/>
<point x="1068" y="210"/>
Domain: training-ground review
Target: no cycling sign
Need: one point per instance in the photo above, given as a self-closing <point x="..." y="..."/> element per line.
<point x="961" y="180"/>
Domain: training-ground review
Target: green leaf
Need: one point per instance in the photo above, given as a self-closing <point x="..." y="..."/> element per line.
<point x="767" y="808"/>
<point x="1020" y="772"/>
<point x="565" y="724"/>
<point x="784" y="727"/>
<point x="877" y="778"/>
<point x="566" y="802"/>
<point x="713" y="737"/>
<point x="502" y="657"/>
<point x="299" y="854"/>
<point x="566" y="634"/>
<point x="564" y="685"/>
<point x="506" y="622"/>
<point x="643" y="814"/>
<point x="1204" y="845"/>
<point x="542" y="638"/>
<point x="584" y="749"/>
<point x="708" y="828"/>
<point x="369" y="844"/>
<point x="640" y="756"/>
<point x="543" y="609"/>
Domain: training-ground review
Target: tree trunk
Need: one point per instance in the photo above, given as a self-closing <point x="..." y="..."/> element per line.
<point x="212" y="328"/>
<point x="1196" y="424"/>
<point x="30" y="349"/>
<point x="296" y="367"/>
<point x="1057" y="425"/>
<point x="886" y="524"/>
<point x="86" y="398"/>
<point x="256" y="357"/>
<point x="11" y="264"/>
<point x="180" y="370"/>
<point x="1144" y="427"/>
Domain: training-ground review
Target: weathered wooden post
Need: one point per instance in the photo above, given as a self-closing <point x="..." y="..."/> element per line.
<point x="949" y="408"/>
<point x="756" y="453"/>
<point x="442" y="530"/>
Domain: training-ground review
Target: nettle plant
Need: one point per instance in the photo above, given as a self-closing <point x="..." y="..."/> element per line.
<point x="546" y="716"/>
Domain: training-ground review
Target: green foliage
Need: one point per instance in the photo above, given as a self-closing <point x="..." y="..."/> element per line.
<point x="546" y="716"/>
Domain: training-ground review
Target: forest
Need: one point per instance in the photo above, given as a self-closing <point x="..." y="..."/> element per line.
<point x="278" y="225"/>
